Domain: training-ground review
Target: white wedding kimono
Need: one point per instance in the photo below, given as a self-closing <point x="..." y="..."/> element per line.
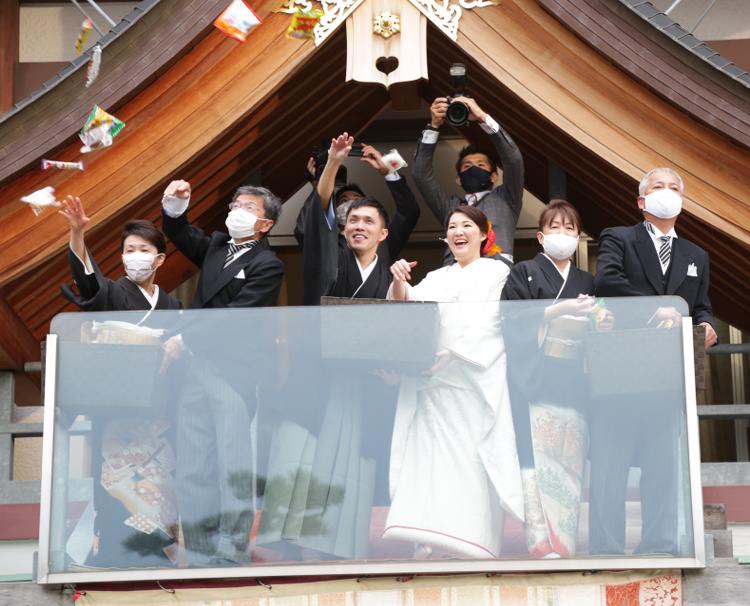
<point x="454" y="467"/>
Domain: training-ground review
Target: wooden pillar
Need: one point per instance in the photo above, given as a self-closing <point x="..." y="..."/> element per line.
<point x="9" y="22"/>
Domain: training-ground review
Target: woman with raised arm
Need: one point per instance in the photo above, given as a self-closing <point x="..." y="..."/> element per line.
<point x="134" y="468"/>
<point x="546" y="380"/>
<point x="143" y="248"/>
<point x="454" y="468"/>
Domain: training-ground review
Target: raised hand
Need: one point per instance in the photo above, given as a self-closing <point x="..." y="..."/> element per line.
<point x="178" y="189"/>
<point x="438" y="111"/>
<point x="340" y="147"/>
<point x="72" y="210"/>
<point x="401" y="270"/>
<point x="374" y="158"/>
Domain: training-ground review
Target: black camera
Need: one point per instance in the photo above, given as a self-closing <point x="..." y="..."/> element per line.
<point x="458" y="112"/>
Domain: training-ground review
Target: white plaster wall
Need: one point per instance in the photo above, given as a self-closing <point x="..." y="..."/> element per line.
<point x="49" y="32"/>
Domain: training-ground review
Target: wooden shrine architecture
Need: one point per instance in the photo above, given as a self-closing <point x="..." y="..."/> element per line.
<point x="594" y="86"/>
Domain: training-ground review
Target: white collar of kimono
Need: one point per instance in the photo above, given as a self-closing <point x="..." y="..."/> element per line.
<point x="564" y="273"/>
<point x="366" y="271"/>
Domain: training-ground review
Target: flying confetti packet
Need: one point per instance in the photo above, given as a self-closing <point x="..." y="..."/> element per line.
<point x="99" y="130"/>
<point x="47" y="164"/>
<point x="237" y="20"/>
<point x="303" y="24"/>
<point x="41" y="200"/>
<point x="83" y="35"/>
<point x="92" y="69"/>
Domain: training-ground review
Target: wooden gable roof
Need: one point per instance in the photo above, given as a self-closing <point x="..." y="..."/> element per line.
<point x="221" y="113"/>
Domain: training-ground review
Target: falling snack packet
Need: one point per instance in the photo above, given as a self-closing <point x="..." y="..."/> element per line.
<point x="99" y="130"/>
<point x="41" y="200"/>
<point x="47" y="164"/>
<point x="237" y="20"/>
<point x="394" y="161"/>
<point x="303" y="24"/>
<point x="83" y="35"/>
<point x="92" y="69"/>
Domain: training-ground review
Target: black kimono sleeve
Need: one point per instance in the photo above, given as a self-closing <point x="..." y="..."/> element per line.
<point x="320" y="252"/>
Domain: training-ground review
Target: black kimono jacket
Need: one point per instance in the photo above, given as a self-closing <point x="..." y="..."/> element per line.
<point x="330" y="267"/>
<point x="532" y="375"/>
<point x="99" y="293"/>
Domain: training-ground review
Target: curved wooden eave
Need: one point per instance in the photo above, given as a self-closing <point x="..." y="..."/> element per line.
<point x="592" y="101"/>
<point x="677" y="73"/>
<point x="131" y="60"/>
<point x="197" y="101"/>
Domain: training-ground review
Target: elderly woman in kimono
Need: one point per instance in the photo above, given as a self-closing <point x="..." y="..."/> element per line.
<point x="454" y="469"/>
<point x="546" y="380"/>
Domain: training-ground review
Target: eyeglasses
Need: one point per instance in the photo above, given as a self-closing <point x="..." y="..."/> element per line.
<point x="249" y="206"/>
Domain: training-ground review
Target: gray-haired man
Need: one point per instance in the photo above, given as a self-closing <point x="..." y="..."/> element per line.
<point x="217" y="401"/>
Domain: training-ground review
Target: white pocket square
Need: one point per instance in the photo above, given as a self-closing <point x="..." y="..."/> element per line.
<point x="692" y="270"/>
<point x="241" y="274"/>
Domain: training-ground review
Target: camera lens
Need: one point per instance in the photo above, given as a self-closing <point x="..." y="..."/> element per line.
<point x="458" y="113"/>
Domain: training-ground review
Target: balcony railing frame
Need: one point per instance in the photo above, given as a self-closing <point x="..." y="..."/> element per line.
<point x="366" y="568"/>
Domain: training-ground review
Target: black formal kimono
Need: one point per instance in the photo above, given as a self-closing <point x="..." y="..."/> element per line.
<point x="123" y="540"/>
<point x="330" y="267"/>
<point x="99" y="293"/>
<point x="549" y="400"/>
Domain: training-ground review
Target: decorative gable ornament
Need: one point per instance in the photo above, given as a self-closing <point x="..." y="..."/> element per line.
<point x="445" y="14"/>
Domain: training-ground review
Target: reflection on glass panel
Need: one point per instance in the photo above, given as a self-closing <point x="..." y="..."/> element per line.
<point x="369" y="432"/>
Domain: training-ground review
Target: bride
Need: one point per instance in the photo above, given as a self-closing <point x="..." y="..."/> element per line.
<point x="454" y="467"/>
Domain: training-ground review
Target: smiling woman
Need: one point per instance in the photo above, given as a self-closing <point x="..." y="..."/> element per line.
<point x="454" y="468"/>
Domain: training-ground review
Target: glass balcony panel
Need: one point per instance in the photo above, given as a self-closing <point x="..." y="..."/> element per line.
<point x="370" y="433"/>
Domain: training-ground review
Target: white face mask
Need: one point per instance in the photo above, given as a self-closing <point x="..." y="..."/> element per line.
<point x="559" y="246"/>
<point x="663" y="203"/>
<point x="341" y="211"/>
<point x="241" y="223"/>
<point x="139" y="266"/>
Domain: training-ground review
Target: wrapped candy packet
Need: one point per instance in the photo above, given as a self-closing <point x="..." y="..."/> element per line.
<point x="237" y="20"/>
<point x="99" y="130"/>
<point x="303" y="24"/>
<point x="394" y="161"/>
<point x="92" y="69"/>
<point x="47" y="164"/>
<point x="41" y="200"/>
<point x="83" y="35"/>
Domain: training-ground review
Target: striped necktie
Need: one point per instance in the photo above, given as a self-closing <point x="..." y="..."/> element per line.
<point x="233" y="248"/>
<point x="664" y="251"/>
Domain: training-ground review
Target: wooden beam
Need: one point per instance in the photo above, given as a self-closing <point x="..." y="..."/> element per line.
<point x="8" y="52"/>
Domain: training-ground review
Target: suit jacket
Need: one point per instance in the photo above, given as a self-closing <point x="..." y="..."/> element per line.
<point x="329" y="265"/>
<point x="502" y="205"/>
<point x="252" y="280"/>
<point x="99" y="293"/>
<point x="628" y="266"/>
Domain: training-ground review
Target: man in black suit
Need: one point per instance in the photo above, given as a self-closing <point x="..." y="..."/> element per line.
<point x="215" y="480"/>
<point x="476" y="173"/>
<point x="648" y="259"/>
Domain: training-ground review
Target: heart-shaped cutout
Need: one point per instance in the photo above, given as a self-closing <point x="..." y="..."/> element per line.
<point x="386" y="64"/>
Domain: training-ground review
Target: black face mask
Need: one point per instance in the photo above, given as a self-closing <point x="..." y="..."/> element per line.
<point x="475" y="179"/>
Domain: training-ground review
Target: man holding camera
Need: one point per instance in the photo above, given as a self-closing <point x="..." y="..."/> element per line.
<point x="476" y="172"/>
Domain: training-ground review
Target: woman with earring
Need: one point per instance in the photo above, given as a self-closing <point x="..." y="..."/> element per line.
<point x="454" y="469"/>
